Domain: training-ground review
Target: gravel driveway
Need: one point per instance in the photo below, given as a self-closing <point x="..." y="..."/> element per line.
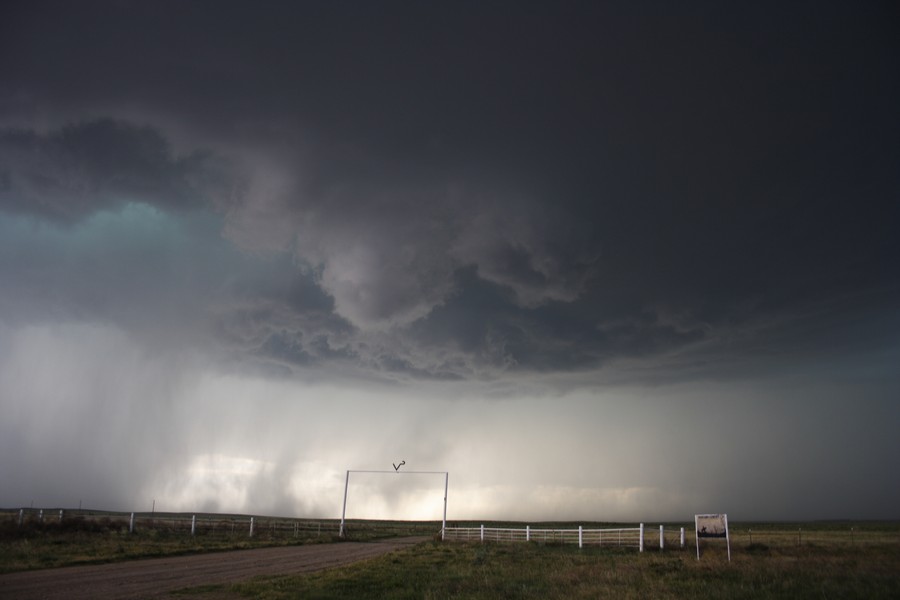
<point x="155" y="578"/>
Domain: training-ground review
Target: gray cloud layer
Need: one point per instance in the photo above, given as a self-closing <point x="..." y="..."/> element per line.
<point x="529" y="198"/>
<point x="74" y="172"/>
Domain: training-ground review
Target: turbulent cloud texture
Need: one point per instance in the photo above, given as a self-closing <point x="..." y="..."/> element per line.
<point x="619" y="261"/>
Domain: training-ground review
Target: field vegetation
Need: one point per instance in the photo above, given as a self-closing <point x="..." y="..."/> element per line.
<point x="94" y="538"/>
<point x="821" y="566"/>
<point x="769" y="560"/>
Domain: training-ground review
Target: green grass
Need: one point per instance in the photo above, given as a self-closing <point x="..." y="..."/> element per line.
<point x="93" y="537"/>
<point x="781" y="560"/>
<point x="518" y="570"/>
<point x="81" y="541"/>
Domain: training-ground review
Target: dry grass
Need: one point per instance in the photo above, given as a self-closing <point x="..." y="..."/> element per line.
<point x="779" y="560"/>
<point x="827" y="566"/>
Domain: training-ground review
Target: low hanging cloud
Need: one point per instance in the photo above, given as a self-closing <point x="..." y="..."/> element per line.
<point x="67" y="174"/>
<point x="302" y="269"/>
<point x="394" y="257"/>
<point x="541" y="256"/>
<point x="381" y="254"/>
<point x="388" y="253"/>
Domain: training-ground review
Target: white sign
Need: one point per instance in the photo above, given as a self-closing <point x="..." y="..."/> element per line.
<point x="711" y="526"/>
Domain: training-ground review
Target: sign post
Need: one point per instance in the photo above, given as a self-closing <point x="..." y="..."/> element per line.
<point x="711" y="526"/>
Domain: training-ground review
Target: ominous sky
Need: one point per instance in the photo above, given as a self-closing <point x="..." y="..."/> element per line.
<point x="598" y="261"/>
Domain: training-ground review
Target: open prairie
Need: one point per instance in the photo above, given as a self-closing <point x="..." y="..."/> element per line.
<point x="825" y="563"/>
<point x="769" y="560"/>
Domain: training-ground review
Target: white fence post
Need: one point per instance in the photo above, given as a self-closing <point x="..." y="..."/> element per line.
<point x="682" y="537"/>
<point x="131" y="524"/>
<point x="662" y="539"/>
<point x="21" y="516"/>
<point x="446" y="487"/>
<point x="193" y="525"/>
<point x="251" y="526"/>
<point x="625" y="536"/>
<point x="344" y="510"/>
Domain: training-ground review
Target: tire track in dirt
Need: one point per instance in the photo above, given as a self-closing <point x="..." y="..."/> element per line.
<point x="156" y="577"/>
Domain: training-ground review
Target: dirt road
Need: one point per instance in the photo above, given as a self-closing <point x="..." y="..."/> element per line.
<point x="156" y="578"/>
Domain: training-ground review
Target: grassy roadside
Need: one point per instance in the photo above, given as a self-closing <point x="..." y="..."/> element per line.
<point x="80" y="542"/>
<point x="770" y="560"/>
<point x="441" y="570"/>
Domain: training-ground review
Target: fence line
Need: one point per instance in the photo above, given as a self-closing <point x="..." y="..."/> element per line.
<point x="234" y="525"/>
<point x="208" y="524"/>
<point x="193" y="523"/>
<point x="624" y="537"/>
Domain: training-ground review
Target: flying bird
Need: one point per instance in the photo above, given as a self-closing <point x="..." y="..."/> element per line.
<point x="397" y="467"/>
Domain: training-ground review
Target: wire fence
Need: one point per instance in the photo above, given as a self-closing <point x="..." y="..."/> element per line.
<point x="811" y="536"/>
<point x="682" y="536"/>
<point x="670" y="536"/>
<point x="626" y="537"/>
<point x="196" y="524"/>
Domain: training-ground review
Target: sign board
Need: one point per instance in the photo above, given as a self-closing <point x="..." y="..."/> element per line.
<point x="711" y="526"/>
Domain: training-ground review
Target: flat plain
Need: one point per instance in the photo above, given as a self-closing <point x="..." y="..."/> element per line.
<point x="768" y="560"/>
<point x="773" y="566"/>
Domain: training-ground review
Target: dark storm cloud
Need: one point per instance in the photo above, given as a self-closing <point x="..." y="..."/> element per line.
<point x="73" y="172"/>
<point x="243" y="247"/>
<point x="284" y="319"/>
<point x="484" y="187"/>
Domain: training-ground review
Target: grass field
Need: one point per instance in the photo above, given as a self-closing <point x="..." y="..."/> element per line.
<point x="92" y="537"/>
<point x="769" y="560"/>
<point x="99" y="538"/>
<point x="528" y="570"/>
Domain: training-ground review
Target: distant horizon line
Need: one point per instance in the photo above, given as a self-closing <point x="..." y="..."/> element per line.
<point x="11" y="511"/>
